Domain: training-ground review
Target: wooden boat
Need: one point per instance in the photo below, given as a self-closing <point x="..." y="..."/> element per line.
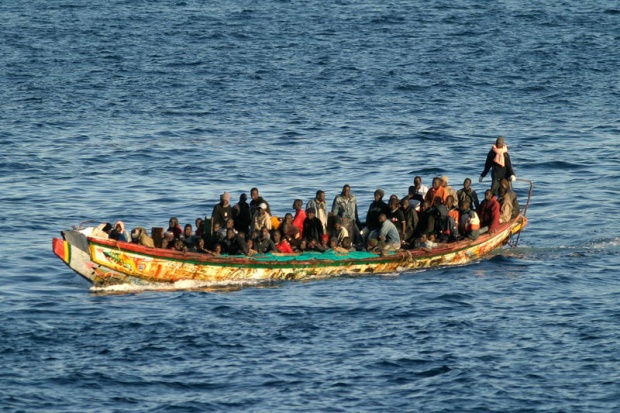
<point x="106" y="262"/>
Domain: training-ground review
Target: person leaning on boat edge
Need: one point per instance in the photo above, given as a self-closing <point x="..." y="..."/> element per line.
<point x="498" y="161"/>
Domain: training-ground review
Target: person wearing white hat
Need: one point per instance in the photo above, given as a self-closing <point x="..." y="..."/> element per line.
<point x="261" y="218"/>
<point x="222" y="211"/>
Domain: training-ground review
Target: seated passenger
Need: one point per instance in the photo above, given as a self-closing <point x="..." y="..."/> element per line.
<point x="411" y="221"/>
<point x="168" y="241"/>
<point x="437" y="191"/>
<point x="469" y="223"/>
<point x="347" y="244"/>
<point x="199" y="225"/>
<point x="333" y="246"/>
<point x="512" y="196"/>
<point x="290" y="233"/>
<point x="489" y="213"/>
<point x="233" y="244"/>
<point x="313" y="245"/>
<point x="324" y="242"/>
<point x="175" y="228"/>
<point x="119" y="233"/>
<point x="282" y="245"/>
<point x="449" y="192"/>
<point x="339" y="232"/>
<point x="428" y="241"/>
<point x="505" y="205"/>
<point x="200" y="246"/>
<point x="313" y="227"/>
<point x="396" y="215"/>
<point x="179" y="245"/>
<point x="453" y="211"/>
<point x="467" y="193"/>
<point x="261" y="218"/>
<point x="264" y="244"/>
<point x="377" y="207"/>
<point x="139" y="236"/>
<point x="188" y="237"/>
<point x="388" y="238"/>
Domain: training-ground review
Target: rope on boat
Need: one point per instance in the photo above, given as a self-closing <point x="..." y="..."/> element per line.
<point x="524" y="210"/>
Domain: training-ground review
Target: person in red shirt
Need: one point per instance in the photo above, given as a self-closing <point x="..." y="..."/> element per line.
<point x="489" y="213"/>
<point x="300" y="216"/>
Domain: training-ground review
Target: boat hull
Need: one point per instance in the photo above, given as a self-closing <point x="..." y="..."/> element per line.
<point x="107" y="262"/>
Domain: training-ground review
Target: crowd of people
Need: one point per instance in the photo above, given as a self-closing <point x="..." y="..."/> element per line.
<point x="421" y="219"/>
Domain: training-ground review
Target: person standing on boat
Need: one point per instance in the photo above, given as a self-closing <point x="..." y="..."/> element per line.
<point x="222" y="211"/>
<point x="257" y="201"/>
<point x="320" y="206"/>
<point x="420" y="189"/>
<point x="242" y="215"/>
<point x="498" y="161"/>
<point x="300" y="216"/>
<point x="345" y="206"/>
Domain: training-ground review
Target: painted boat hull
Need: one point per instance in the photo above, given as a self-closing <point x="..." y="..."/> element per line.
<point x="106" y="262"/>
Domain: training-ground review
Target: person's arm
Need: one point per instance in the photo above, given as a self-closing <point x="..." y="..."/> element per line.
<point x="508" y="163"/>
<point x="487" y="165"/>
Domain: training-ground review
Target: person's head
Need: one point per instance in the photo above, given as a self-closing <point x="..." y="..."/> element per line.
<point x="254" y="193"/>
<point x="262" y="208"/>
<point x="173" y="222"/>
<point x="499" y="142"/>
<point x="501" y="191"/>
<point x="436" y="182"/>
<point x="288" y="218"/>
<point x="216" y="226"/>
<point x="225" y="198"/>
<point x="346" y="242"/>
<point x="230" y="223"/>
<point x="179" y="245"/>
<point x="199" y="222"/>
<point x="411" y="190"/>
<point x="346" y="191"/>
<point x="297" y="204"/>
<point x="424" y="206"/>
<point x="320" y="196"/>
<point x="431" y="237"/>
<point x="303" y="245"/>
<point x="311" y="212"/>
<point x="467" y="183"/>
<point x="169" y="235"/>
<point x="119" y="226"/>
<point x="394" y="204"/>
<point x="449" y="200"/>
<point x="218" y="248"/>
<point x="405" y="204"/>
<point x="333" y="242"/>
<point x="277" y="237"/>
<point x="200" y="243"/>
<point x="417" y="181"/>
<point x="264" y="233"/>
<point x="382" y="217"/>
<point x="488" y="194"/>
<point x="423" y="238"/>
<point x="379" y="194"/>
<point x="444" y="180"/>
<point x="465" y="205"/>
<point x="243" y="198"/>
<point x="337" y="223"/>
<point x="187" y="231"/>
<point x="505" y="183"/>
<point x="230" y="233"/>
<point x="325" y="239"/>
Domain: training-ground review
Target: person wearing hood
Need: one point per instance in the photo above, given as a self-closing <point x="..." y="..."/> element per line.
<point x="140" y="237"/>
<point x="119" y="233"/>
<point x="261" y="218"/>
<point x="498" y="161"/>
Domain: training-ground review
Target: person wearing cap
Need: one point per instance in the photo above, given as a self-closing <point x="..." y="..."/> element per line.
<point x="222" y="211"/>
<point x="319" y="204"/>
<point x="261" y="218"/>
<point x="313" y="227"/>
<point x="498" y="161"/>
<point x="449" y="191"/>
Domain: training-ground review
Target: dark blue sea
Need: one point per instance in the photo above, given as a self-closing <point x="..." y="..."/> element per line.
<point x="142" y="110"/>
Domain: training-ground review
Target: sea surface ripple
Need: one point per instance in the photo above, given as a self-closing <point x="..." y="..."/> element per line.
<point x="143" y="110"/>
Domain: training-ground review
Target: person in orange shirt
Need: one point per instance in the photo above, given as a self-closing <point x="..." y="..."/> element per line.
<point x="436" y="191"/>
<point x="300" y="216"/>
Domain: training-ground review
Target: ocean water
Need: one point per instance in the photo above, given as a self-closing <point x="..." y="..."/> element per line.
<point x="140" y="111"/>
